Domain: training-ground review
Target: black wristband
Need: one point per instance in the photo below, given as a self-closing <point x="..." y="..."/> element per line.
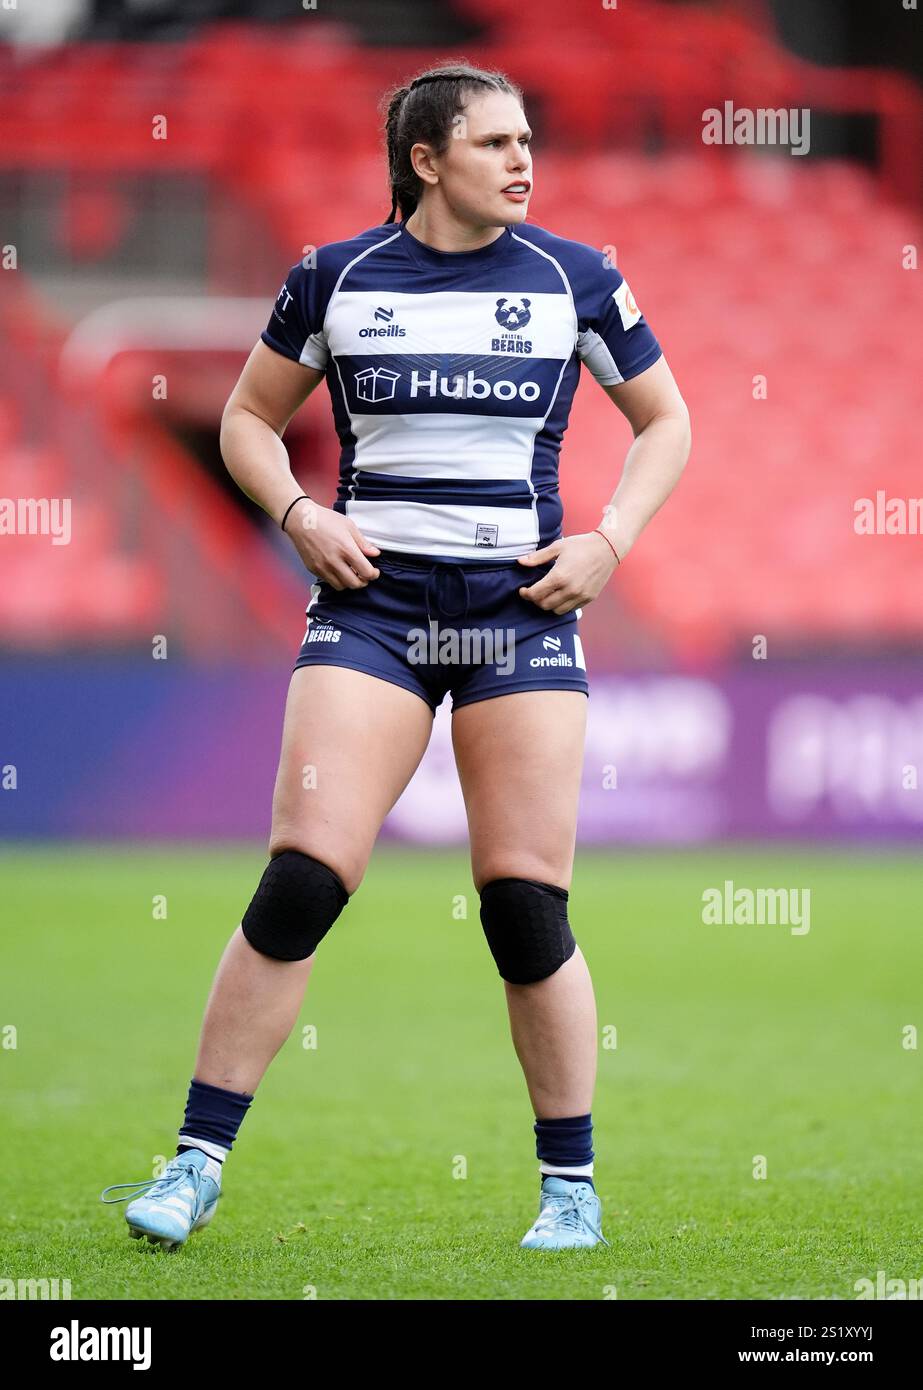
<point x="303" y="498"/>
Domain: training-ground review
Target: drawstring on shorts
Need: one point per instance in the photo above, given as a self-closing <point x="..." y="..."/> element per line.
<point x="435" y="590"/>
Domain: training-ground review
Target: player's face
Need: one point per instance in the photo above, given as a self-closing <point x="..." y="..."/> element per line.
<point x="488" y="152"/>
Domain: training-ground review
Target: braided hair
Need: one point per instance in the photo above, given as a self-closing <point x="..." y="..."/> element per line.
<point x="423" y="111"/>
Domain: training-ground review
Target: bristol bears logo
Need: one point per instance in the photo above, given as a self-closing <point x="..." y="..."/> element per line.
<point x="514" y="316"/>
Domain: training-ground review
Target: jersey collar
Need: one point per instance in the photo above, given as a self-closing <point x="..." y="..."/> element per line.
<point x="429" y="256"/>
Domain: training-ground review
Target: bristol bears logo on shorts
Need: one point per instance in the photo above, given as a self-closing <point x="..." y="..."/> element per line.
<point x="514" y="316"/>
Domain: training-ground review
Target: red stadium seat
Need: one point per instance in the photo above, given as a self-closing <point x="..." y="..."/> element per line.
<point x="749" y="266"/>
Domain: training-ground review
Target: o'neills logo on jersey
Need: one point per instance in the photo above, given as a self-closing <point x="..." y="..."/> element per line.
<point x="393" y="330"/>
<point x="512" y="316"/>
<point x="467" y="386"/>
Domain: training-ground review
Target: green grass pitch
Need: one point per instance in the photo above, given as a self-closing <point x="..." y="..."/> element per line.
<point x="732" y="1042"/>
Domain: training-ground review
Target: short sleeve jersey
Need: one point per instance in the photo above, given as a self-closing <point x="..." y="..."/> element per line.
<point x="451" y="376"/>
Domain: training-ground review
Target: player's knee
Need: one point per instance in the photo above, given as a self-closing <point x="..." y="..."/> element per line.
<point x="526" y="926"/>
<point x="297" y="901"/>
<point x="344" y="858"/>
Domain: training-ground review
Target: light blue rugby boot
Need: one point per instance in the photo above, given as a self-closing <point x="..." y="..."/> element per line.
<point x="179" y="1202"/>
<point x="569" y="1217"/>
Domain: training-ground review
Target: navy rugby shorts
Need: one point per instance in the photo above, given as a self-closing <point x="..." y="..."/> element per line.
<point x="434" y="626"/>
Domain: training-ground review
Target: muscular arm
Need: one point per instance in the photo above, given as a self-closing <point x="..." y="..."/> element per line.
<point x="657" y="413"/>
<point x="269" y="391"/>
<point x="659" y="419"/>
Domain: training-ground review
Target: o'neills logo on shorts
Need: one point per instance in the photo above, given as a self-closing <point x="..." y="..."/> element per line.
<point x="552" y="644"/>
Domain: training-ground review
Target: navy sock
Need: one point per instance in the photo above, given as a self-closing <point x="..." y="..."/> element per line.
<point x="564" y="1143"/>
<point x="213" y="1115"/>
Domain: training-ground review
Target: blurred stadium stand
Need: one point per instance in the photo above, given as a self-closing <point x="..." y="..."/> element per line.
<point x="144" y="259"/>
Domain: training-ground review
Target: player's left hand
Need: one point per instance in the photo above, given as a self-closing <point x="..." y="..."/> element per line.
<point x="582" y="565"/>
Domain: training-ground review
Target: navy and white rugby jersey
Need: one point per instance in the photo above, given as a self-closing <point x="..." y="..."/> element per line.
<point x="452" y="374"/>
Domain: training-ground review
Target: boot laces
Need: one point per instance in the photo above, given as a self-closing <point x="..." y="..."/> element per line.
<point x="567" y="1210"/>
<point x="175" y="1175"/>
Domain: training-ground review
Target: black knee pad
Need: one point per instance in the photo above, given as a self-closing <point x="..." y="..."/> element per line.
<point x="526" y="926"/>
<point x="297" y="901"/>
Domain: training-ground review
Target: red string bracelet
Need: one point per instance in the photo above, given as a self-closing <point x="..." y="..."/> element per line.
<point x="608" y="543"/>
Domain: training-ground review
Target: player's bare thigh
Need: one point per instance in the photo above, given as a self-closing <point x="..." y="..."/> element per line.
<point x="519" y="759"/>
<point x="350" y="744"/>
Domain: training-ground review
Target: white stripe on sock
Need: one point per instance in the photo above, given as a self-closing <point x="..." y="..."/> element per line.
<point x="549" y="1170"/>
<point x="206" y="1145"/>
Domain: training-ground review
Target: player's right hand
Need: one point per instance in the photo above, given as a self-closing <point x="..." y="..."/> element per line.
<point x="331" y="546"/>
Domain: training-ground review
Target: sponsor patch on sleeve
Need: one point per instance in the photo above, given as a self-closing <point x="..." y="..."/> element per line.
<point x="629" y="312"/>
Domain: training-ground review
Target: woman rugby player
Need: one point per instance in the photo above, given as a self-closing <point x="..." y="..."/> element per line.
<point x="451" y="344"/>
